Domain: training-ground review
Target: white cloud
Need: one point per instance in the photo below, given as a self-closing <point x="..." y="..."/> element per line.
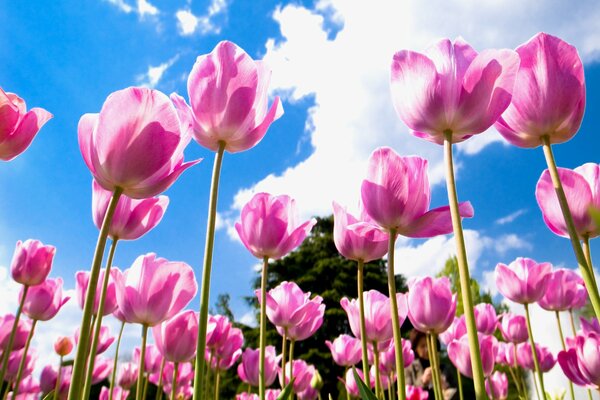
<point x="510" y="217"/>
<point x="155" y="73"/>
<point x="210" y="22"/>
<point x="248" y="319"/>
<point x="142" y="7"/>
<point x="145" y="8"/>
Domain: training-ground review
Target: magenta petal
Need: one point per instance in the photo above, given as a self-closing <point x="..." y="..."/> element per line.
<point x="436" y="222"/>
<point x="253" y="137"/>
<point x="568" y="363"/>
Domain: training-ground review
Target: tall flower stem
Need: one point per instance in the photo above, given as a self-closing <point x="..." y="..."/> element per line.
<point x="434" y="376"/>
<point x="263" y="328"/>
<point x="57" y="385"/>
<point x="536" y="360"/>
<point x="292" y="342"/>
<point x="520" y="375"/>
<point x="584" y="267"/>
<point x="207" y="376"/>
<point x="361" y="305"/>
<point x="572" y="320"/>
<point x="217" y="379"/>
<point x="98" y="323"/>
<point x="15" y="391"/>
<point x="460" y="386"/>
<point x="88" y="308"/>
<point x="564" y="347"/>
<point x="588" y="256"/>
<point x="13" y="333"/>
<point x="115" y="363"/>
<point x="395" y="319"/>
<point x="174" y="382"/>
<point x="378" y="389"/>
<point x="391" y="388"/>
<point x="283" y="354"/>
<point x="511" y="369"/>
<point x="435" y="362"/>
<point x="463" y="270"/>
<point x="208" y="253"/>
<point x="140" y="380"/>
<point x="159" y="390"/>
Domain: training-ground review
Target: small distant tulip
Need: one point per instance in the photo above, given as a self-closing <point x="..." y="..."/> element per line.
<point x="452" y="88"/>
<point x="496" y="386"/>
<point x="562" y="291"/>
<point x="248" y="368"/>
<point x="135" y="143"/>
<point x="154" y="289"/>
<point x="6" y="324"/>
<point x="132" y="218"/>
<point x="271" y="394"/>
<point x="308" y="394"/>
<point x="289" y="306"/>
<point x="127" y="375"/>
<point x="525" y="357"/>
<point x="185" y="374"/>
<point x="118" y="393"/>
<point x="501" y="354"/>
<point x="45" y="300"/>
<point x="303" y="374"/>
<point x="416" y="393"/>
<point x="15" y="359"/>
<point x="523" y="281"/>
<point x="63" y="346"/>
<point x="345" y="350"/>
<point x="152" y="359"/>
<point x="396" y="195"/>
<point x="387" y="358"/>
<point x="176" y="337"/>
<point x="431" y="304"/>
<point x="549" y="94"/>
<point x="458" y="352"/>
<point x="31" y="262"/>
<point x="18" y="126"/>
<point x="49" y="376"/>
<point x="358" y="240"/>
<point x="217" y="331"/>
<point x="102" y="369"/>
<point x="384" y="379"/>
<point x="82" y="279"/>
<point x="514" y="328"/>
<point x="231" y="350"/>
<point x="485" y="318"/>
<point x="270" y="226"/>
<point x="29" y="389"/>
<point x="228" y="94"/>
<point x="582" y="189"/>
<point x="104" y="341"/>
<point x="350" y="382"/>
<point x="455" y="331"/>
<point x="378" y="324"/>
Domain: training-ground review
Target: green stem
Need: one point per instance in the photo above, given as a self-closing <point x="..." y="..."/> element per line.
<point x="463" y="269"/>
<point x="146" y="378"/>
<point x="159" y="390"/>
<point x="564" y="347"/>
<point x="588" y="256"/>
<point x="283" y="354"/>
<point x="115" y="363"/>
<point x="436" y="363"/>
<point x="460" y="386"/>
<point x="347" y="391"/>
<point x="584" y="267"/>
<point x="516" y="381"/>
<point x="140" y="381"/>
<point x="13" y="333"/>
<point x="391" y="387"/>
<point x="361" y="305"/>
<point x="378" y="389"/>
<point x="208" y="254"/>
<point x="57" y="385"/>
<point x="395" y="319"/>
<point x="292" y="342"/>
<point x="98" y="323"/>
<point x="15" y="391"/>
<point x="207" y="376"/>
<point x="520" y="374"/>
<point x="536" y="360"/>
<point x="434" y="376"/>
<point x="217" y="379"/>
<point x="79" y="366"/>
<point x="174" y="382"/>
<point x="572" y="320"/>
<point x="263" y="329"/>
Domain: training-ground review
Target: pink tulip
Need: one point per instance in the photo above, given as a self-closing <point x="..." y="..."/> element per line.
<point x="6" y="323"/>
<point x="29" y="389"/>
<point x="581" y="298"/>
<point x="345" y="350"/>
<point x="48" y="380"/>
<point x="154" y="289"/>
<point x="176" y="337"/>
<point x="248" y="368"/>
<point x="308" y="394"/>
<point x="45" y="300"/>
<point x="582" y="189"/>
<point x="357" y="239"/>
<point x="132" y="218"/>
<point x="396" y="195"/>
<point x="227" y="354"/>
<point x="310" y="324"/>
<point x="228" y="94"/>
<point x="501" y="354"/>
<point x="104" y="341"/>
<point x="303" y="374"/>
<point x="452" y="88"/>
<point x="185" y="374"/>
<point x="525" y="357"/>
<point x="102" y="369"/>
<point x="118" y="393"/>
<point x="378" y="324"/>
<point x="571" y="367"/>
<point x="509" y="354"/>
<point x="18" y="126"/>
<point x="271" y="394"/>
<point x="383" y="378"/>
<point x="514" y="328"/>
<point x="523" y="281"/>
<point x="431" y="304"/>
<point x="416" y="393"/>
<point x="82" y="279"/>
<point x="270" y="227"/>
<point x="350" y="382"/>
<point x="31" y="261"/>
<point x="135" y="143"/>
<point x="387" y="357"/>
<point x="152" y="359"/>
<point x="455" y="331"/>
<point x="217" y="331"/>
<point x="288" y="306"/>
<point x="15" y="359"/>
<point x="127" y="375"/>
<point x="562" y="290"/>
<point x="496" y="386"/>
<point x="485" y="318"/>
<point x="549" y="94"/>
<point x="458" y="352"/>
<point x="589" y="326"/>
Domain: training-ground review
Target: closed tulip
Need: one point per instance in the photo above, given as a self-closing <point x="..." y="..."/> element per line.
<point x="345" y="350"/>
<point x="452" y="88"/>
<point x="485" y="318"/>
<point x="15" y="359"/>
<point x="288" y="305"/>
<point x="311" y="322"/>
<point x="416" y="393"/>
<point x="48" y="378"/>
<point x="104" y="340"/>
<point x="152" y="359"/>
<point x="496" y="386"/>
<point x="549" y="94"/>
<point x="102" y="369"/>
<point x="133" y="218"/>
<point x="6" y="324"/>
<point x="303" y="374"/>
<point x="378" y="324"/>
<point x="248" y="368"/>
<point x="562" y="291"/>
<point x="117" y="394"/>
<point x="217" y="331"/>
<point x="431" y="304"/>
<point x="514" y="328"/>
<point x="525" y="357"/>
<point x="228" y="93"/>
<point x="18" y="126"/>
<point x="32" y="261"/>
<point x="396" y="195"/>
<point x="45" y="300"/>
<point x="154" y="289"/>
<point x="229" y="352"/>
<point x="82" y="279"/>
<point x="582" y="189"/>
<point x="523" y="281"/>
<point x="458" y="352"/>
<point x="127" y="374"/>
<point x="176" y="337"/>
<point x="350" y="382"/>
<point x="455" y="331"/>
<point x="63" y="345"/>
<point x="135" y="143"/>
<point x="387" y="357"/>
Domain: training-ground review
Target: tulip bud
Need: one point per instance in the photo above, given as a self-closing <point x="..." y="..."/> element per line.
<point x="63" y="346"/>
<point x="316" y="382"/>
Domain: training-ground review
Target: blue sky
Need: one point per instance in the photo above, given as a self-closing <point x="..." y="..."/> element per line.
<point x="330" y="63"/>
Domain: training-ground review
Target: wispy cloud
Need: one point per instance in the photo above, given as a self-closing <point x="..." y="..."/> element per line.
<point x="142" y="7"/>
<point x="155" y="73"/>
<point x="210" y="22"/>
<point x="510" y="217"/>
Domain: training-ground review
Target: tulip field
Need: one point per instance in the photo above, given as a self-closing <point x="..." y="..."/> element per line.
<point x="430" y="340"/>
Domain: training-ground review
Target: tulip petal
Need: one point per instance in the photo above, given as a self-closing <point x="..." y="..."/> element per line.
<point x="436" y="222"/>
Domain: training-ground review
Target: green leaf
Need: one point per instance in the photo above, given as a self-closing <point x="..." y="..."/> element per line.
<point x="365" y="392"/>
<point x="287" y="391"/>
<point x="48" y="396"/>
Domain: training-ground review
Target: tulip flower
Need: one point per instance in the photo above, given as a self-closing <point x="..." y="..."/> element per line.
<point x="22" y="329"/>
<point x="514" y="328"/>
<point x="31" y="261"/>
<point x="127" y="375"/>
<point x="231" y="350"/>
<point x="117" y="393"/>
<point x="302" y="373"/>
<point x="49" y="378"/>
<point x="218" y="331"/>
<point x="308" y="394"/>
<point x="431" y="304"/>
<point x="104" y="339"/>
<point x="350" y="382"/>
<point x="271" y="394"/>
<point x="377" y="316"/>
<point x="176" y="337"/>
<point x="580" y="362"/>
<point x="525" y="357"/>
<point x="416" y="393"/>
<point x="14" y="364"/>
<point x="455" y="331"/>
<point x="387" y="358"/>
<point x="63" y="345"/>
<point x="562" y="290"/>
<point x="485" y="318"/>
<point x="345" y="350"/>
<point x="43" y="301"/>
<point x="496" y="386"/>
<point x="152" y="358"/>
<point x="523" y="281"/>
<point x="82" y="279"/>
<point x="18" y="126"/>
<point x="458" y="352"/>
<point x="309" y="325"/>
<point x="287" y="305"/>
<point x="102" y="369"/>
<point x="248" y="369"/>
<point x="588" y="326"/>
